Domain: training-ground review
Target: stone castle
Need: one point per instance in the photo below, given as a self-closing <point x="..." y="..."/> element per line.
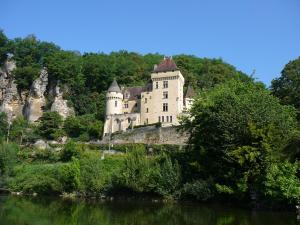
<point x="162" y="100"/>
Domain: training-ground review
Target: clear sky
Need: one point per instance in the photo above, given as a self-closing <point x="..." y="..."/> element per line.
<point x="260" y="35"/>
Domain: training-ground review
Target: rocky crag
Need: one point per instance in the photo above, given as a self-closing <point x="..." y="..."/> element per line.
<point x="30" y="103"/>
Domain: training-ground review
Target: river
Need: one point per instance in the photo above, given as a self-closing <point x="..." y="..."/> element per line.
<point x="16" y="210"/>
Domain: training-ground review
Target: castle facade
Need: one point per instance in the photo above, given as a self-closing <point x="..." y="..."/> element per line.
<point x="162" y="100"/>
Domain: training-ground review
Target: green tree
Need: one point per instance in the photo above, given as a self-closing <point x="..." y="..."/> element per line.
<point x="20" y="130"/>
<point x="282" y="182"/>
<point x="50" y="125"/>
<point x="69" y="151"/>
<point x="3" y="47"/>
<point x="3" y="125"/>
<point x="236" y="128"/>
<point x="65" y="66"/>
<point x="25" y="76"/>
<point x="287" y="86"/>
<point x="85" y="126"/>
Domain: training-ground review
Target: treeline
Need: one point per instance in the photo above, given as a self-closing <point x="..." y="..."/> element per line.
<point x="88" y="75"/>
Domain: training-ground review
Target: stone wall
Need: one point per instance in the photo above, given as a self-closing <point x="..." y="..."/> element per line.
<point x="149" y="135"/>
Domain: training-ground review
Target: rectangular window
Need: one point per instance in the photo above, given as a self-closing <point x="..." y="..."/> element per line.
<point x="167" y="118"/>
<point x="126" y="105"/>
<point x="145" y="100"/>
<point x="162" y="119"/>
<point x="159" y="119"/>
<point x="165" y="107"/>
<point x="147" y="110"/>
<point x="147" y="121"/>
<point x="165" y="94"/>
<point x="116" y="103"/>
<point x="165" y="84"/>
<point x="156" y="85"/>
<point x="170" y="119"/>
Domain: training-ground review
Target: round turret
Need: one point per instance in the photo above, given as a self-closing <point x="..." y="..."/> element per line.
<point x="114" y="99"/>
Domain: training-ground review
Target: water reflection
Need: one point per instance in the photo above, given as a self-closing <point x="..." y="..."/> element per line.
<point x="45" y="211"/>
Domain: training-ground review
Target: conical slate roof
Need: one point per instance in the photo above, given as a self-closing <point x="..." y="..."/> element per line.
<point x="114" y="87"/>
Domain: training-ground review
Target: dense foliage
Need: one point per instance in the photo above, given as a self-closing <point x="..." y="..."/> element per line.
<point x="238" y="130"/>
<point x="287" y="86"/>
<point x="85" y="78"/>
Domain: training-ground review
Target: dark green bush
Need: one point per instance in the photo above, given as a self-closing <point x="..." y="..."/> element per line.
<point x="50" y="125"/>
<point x="200" y="189"/>
<point x="96" y="174"/>
<point x="70" y="150"/>
<point x="8" y="159"/>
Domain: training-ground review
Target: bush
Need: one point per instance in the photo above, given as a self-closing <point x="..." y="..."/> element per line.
<point x="282" y="183"/>
<point x="168" y="176"/>
<point x="200" y="189"/>
<point x="46" y="178"/>
<point x="3" y="125"/>
<point x="83" y="128"/>
<point x="138" y="171"/>
<point x="96" y="174"/>
<point x="39" y="155"/>
<point x="70" y="150"/>
<point x="8" y="159"/>
<point x="51" y="123"/>
<point x="156" y="175"/>
<point x="40" y="178"/>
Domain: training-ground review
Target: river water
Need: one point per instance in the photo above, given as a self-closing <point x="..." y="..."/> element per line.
<point x="15" y="210"/>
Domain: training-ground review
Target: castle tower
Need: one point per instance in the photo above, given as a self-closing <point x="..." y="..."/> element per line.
<point x="114" y="98"/>
<point x="165" y="102"/>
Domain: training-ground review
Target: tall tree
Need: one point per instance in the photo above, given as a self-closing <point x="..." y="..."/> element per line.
<point x="236" y="128"/>
<point x="287" y="86"/>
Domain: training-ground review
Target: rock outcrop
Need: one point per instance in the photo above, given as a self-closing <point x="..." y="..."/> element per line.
<point x="11" y="101"/>
<point x="36" y="100"/>
<point x="32" y="103"/>
<point x="60" y="105"/>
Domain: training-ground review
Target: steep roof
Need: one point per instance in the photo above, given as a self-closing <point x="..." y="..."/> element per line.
<point x="134" y="92"/>
<point x="167" y="64"/>
<point x="114" y="87"/>
<point x="190" y="92"/>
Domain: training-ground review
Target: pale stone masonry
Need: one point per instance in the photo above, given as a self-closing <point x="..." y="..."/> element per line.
<point x="161" y="100"/>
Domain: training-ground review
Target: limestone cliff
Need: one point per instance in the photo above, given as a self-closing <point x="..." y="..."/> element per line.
<point x="60" y="105"/>
<point x="11" y="101"/>
<point x="31" y="103"/>
<point x="36" y="100"/>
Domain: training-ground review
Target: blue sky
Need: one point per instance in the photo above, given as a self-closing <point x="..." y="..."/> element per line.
<point x="260" y="35"/>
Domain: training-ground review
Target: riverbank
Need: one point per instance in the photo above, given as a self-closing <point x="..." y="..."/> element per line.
<point x="76" y="171"/>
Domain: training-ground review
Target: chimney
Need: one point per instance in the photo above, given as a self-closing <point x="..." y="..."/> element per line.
<point x="155" y="66"/>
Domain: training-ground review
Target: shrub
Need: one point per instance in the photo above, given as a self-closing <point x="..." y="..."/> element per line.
<point x="8" y="159"/>
<point x="96" y="174"/>
<point x="71" y="149"/>
<point x="282" y="183"/>
<point x="200" y="189"/>
<point x="84" y="127"/>
<point x="168" y="176"/>
<point x="50" y="125"/>
<point x="38" y="178"/>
